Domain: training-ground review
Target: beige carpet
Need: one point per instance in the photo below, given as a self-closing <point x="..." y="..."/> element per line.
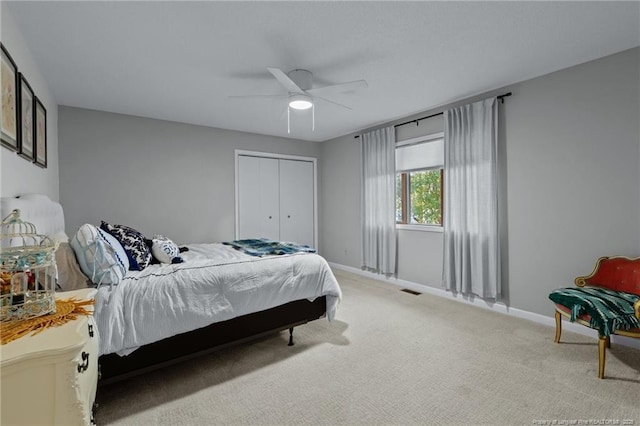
<point x="390" y="358"/>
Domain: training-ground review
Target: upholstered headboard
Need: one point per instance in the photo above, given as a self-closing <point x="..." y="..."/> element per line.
<point x="45" y="214"/>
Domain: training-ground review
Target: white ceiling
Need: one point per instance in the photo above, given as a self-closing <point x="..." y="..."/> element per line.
<point x="181" y="60"/>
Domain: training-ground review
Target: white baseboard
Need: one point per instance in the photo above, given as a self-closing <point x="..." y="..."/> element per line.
<point x="497" y="307"/>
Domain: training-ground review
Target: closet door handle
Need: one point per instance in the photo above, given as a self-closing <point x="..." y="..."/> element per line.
<point x="289" y="216"/>
<point x="85" y="362"/>
<point x="269" y="217"/>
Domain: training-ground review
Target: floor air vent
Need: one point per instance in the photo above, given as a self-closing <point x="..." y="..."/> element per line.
<point x="415" y="293"/>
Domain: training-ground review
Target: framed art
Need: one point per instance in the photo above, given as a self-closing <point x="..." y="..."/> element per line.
<point x="40" y="135"/>
<point x="25" y="117"/>
<point x="9" y="84"/>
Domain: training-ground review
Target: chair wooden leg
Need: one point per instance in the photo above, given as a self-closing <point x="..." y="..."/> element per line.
<point x="558" y="327"/>
<point x="602" y="354"/>
<point x="608" y="342"/>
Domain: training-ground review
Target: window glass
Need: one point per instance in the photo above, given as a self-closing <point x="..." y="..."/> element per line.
<point x="399" y="198"/>
<point x="419" y="167"/>
<point x="425" y="197"/>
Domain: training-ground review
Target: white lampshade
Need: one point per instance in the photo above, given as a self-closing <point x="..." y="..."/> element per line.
<point x="300" y="101"/>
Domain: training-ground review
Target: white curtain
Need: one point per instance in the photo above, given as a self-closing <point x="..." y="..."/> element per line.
<point x="471" y="237"/>
<point x="378" y="201"/>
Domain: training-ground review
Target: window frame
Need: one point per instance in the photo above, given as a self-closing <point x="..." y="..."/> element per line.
<point x="406" y="189"/>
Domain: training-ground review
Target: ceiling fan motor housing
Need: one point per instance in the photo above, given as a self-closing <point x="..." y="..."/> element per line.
<point x="302" y="78"/>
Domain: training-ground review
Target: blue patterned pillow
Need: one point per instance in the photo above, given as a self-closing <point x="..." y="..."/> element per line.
<point x="133" y="243"/>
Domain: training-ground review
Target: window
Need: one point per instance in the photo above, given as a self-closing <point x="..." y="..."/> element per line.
<point x="419" y="197"/>
<point x="419" y="181"/>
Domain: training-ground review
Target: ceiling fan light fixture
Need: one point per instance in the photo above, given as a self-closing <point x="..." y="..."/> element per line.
<point x="300" y="101"/>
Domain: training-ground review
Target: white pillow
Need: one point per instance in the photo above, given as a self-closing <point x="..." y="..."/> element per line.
<point x="100" y="256"/>
<point x="165" y="250"/>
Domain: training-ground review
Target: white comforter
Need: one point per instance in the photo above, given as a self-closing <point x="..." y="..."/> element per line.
<point x="216" y="283"/>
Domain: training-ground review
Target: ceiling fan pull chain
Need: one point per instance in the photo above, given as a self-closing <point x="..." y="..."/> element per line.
<point x="313" y="117"/>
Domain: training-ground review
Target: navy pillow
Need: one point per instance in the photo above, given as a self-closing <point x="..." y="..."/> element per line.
<point x="133" y="243"/>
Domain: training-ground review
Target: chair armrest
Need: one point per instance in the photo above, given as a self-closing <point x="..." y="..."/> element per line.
<point x="636" y="308"/>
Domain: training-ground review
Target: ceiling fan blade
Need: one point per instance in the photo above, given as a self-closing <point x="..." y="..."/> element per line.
<point x="337" y="88"/>
<point x="284" y="79"/>
<point x="259" y="97"/>
<point x="332" y="102"/>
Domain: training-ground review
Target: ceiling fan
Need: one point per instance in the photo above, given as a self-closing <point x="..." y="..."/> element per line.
<point x="301" y="94"/>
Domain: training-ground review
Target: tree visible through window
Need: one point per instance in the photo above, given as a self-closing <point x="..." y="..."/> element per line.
<point x="419" y="197"/>
<point x="419" y="177"/>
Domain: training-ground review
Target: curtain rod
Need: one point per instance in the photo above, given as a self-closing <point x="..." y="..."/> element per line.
<point x="501" y="97"/>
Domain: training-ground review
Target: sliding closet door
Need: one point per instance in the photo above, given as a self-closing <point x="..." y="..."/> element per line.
<point x="258" y="198"/>
<point x="296" y="201"/>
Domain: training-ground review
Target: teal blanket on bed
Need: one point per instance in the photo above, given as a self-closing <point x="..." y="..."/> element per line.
<point x="609" y="310"/>
<point x="263" y="247"/>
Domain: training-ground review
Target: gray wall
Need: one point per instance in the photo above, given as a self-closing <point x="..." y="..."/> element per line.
<point x="17" y="175"/>
<point x="573" y="174"/>
<point x="571" y="151"/>
<point x="340" y="216"/>
<point x="156" y="176"/>
<point x="413" y="244"/>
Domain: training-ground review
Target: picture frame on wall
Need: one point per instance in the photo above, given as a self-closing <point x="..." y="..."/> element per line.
<point x="40" y="134"/>
<point x="26" y="147"/>
<point x="9" y="125"/>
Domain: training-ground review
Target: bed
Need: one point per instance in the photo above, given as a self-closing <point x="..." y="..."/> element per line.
<point x="217" y="297"/>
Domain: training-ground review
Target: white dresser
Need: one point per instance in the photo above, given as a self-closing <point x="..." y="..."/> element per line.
<point x="51" y="378"/>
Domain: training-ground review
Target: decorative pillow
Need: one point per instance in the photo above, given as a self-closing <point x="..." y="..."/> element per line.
<point x="154" y="260"/>
<point x="70" y="276"/>
<point x="133" y="243"/>
<point x="100" y="256"/>
<point x="165" y="250"/>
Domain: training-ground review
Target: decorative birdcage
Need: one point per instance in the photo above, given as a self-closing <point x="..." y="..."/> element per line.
<point x="27" y="270"/>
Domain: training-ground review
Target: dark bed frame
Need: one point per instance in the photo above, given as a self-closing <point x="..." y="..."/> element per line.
<point x="209" y="339"/>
